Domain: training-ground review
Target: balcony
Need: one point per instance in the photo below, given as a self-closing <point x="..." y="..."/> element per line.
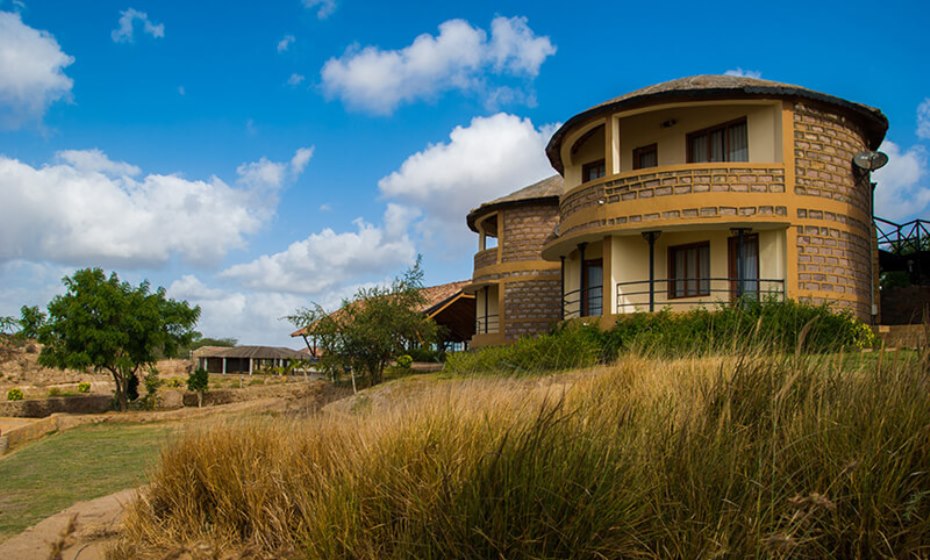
<point x="633" y="197"/>
<point x="680" y="294"/>
<point x="487" y="324"/>
<point x="485" y="258"/>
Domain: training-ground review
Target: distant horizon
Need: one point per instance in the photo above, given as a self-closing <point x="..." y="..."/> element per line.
<point x="256" y="160"/>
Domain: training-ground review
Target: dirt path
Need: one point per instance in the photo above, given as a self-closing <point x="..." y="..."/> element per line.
<point x="81" y="532"/>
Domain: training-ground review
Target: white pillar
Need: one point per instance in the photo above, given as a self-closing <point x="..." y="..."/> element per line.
<point x="224" y="366"/>
<point x="250" y="366"/>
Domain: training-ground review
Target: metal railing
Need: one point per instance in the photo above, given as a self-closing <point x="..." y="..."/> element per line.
<point x="585" y="302"/>
<point x="488" y="324"/>
<point x="901" y="239"/>
<point x="694" y="291"/>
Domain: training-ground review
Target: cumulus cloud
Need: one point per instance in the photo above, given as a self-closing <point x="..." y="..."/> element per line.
<point x="295" y="79"/>
<point x="460" y="57"/>
<point x="489" y="158"/>
<point x="31" y="72"/>
<point x="923" y="119"/>
<point x="301" y="159"/>
<point x="125" y="33"/>
<point x="285" y="43"/>
<point x="328" y="259"/>
<point x="95" y="160"/>
<point x="87" y="209"/>
<point x="325" y="8"/>
<point x="903" y="190"/>
<point x="251" y="317"/>
<point x="739" y="72"/>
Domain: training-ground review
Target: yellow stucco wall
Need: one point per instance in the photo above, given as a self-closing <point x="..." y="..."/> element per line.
<point x="646" y="128"/>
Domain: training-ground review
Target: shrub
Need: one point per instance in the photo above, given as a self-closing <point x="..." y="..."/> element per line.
<point x="54" y="392"/>
<point x="404" y="361"/>
<point x="174" y="382"/>
<point x="573" y="345"/>
<point x="198" y="381"/>
<point x="743" y="456"/>
<point x="152" y="381"/>
<point x="14" y="394"/>
<point x="84" y="387"/>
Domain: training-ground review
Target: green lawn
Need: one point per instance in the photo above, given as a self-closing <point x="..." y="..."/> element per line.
<point x="73" y="466"/>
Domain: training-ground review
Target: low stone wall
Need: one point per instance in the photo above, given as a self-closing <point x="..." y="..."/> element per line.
<point x="905" y="306"/>
<point x="40" y="408"/>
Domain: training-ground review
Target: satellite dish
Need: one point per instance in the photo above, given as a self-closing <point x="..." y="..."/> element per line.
<point x="870" y="161"/>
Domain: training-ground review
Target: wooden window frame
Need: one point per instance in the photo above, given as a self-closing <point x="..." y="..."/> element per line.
<point x="637" y="152"/>
<point x="591" y="164"/>
<point x="726" y="139"/>
<point x="671" y="251"/>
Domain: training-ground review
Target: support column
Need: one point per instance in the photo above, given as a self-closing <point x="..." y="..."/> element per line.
<point x="582" y="291"/>
<point x="740" y="233"/>
<point x="251" y="362"/>
<point x="224" y="366"/>
<point x="650" y="237"/>
<point x="487" y="293"/>
<point x="608" y="293"/>
<point x="562" y="288"/>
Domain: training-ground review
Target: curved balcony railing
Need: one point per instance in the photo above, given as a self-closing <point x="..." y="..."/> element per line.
<point x="487" y="324"/>
<point x="643" y="295"/>
<point x="586" y="302"/>
<point x="485" y="258"/>
<point x="675" y="180"/>
<point x="635" y="295"/>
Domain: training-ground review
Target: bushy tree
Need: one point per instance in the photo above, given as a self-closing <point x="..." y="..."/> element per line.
<point x="31" y="319"/>
<point x="197" y="381"/>
<point x="113" y="326"/>
<point x="373" y="328"/>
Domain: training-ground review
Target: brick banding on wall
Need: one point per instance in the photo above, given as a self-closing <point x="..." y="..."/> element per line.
<point x="730" y="178"/>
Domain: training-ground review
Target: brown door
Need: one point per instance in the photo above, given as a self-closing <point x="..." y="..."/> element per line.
<point x="750" y="265"/>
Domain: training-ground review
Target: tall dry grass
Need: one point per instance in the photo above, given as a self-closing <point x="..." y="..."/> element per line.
<point x="757" y="455"/>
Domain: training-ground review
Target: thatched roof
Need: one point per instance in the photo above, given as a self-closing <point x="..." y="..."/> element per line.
<point x="256" y="352"/>
<point x="546" y="191"/>
<point x="435" y="298"/>
<point x="695" y="88"/>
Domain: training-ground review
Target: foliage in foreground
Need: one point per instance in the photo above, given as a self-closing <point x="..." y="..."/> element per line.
<point x="772" y="456"/>
<point x="113" y="326"/>
<point x="775" y="324"/>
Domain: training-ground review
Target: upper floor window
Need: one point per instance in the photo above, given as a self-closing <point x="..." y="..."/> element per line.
<point x="593" y="170"/>
<point x="724" y="142"/>
<point x="646" y="156"/>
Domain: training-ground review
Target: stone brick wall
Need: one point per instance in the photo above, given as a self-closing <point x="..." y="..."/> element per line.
<point x="905" y="306"/>
<point x="824" y="145"/>
<point x="526" y="229"/>
<point x="730" y="178"/>
<point x="834" y="250"/>
<point x="532" y="306"/>
<point x="833" y="261"/>
<point x="485" y="258"/>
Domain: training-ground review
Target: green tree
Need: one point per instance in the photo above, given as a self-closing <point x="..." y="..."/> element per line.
<point x="373" y="328"/>
<point x="197" y="381"/>
<point x="31" y="319"/>
<point x="113" y="326"/>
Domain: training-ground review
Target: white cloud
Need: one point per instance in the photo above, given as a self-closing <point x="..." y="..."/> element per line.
<point x="325" y="8"/>
<point x="328" y="259"/>
<point x="489" y="158"/>
<point x="301" y="159"/>
<point x="460" y="57"/>
<point x="182" y="91"/>
<point x="295" y="79"/>
<point x="31" y="72"/>
<point x="95" y="160"/>
<point x="125" y="33"/>
<point x="88" y="210"/>
<point x="923" y="119"/>
<point x="250" y="317"/>
<point x="739" y="72"/>
<point x="902" y="190"/>
<point x="285" y="43"/>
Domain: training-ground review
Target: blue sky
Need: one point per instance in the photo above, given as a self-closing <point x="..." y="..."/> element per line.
<point x="254" y="158"/>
